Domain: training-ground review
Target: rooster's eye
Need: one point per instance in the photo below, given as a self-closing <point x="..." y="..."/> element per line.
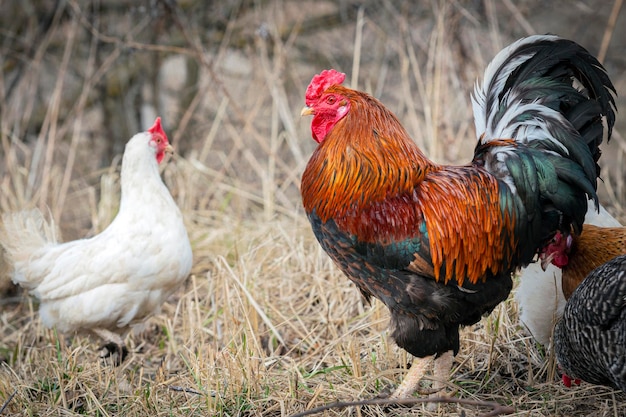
<point x="331" y="100"/>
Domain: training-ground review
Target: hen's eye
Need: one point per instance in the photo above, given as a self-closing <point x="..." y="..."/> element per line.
<point x="331" y="100"/>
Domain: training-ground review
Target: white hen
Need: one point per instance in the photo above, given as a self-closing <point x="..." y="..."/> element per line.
<point x="119" y="277"/>
<point x="540" y="295"/>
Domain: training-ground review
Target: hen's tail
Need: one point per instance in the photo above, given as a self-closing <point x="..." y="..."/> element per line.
<point x="547" y="98"/>
<point x="21" y="234"/>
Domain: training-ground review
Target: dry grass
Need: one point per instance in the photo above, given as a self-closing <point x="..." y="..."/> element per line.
<point x="266" y="325"/>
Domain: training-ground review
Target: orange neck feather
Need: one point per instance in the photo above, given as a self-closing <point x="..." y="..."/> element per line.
<point x="366" y="157"/>
<point x="468" y="229"/>
<point x="593" y="247"/>
<point x="374" y="182"/>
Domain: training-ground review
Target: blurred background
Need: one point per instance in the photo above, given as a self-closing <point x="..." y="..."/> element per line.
<point x="79" y="78"/>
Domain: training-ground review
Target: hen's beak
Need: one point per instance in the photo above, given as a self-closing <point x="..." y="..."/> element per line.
<point x="546" y="261"/>
<point x="307" y="111"/>
<point x="169" y="149"/>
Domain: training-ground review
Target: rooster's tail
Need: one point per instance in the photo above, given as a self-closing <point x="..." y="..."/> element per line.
<point x="21" y="234"/>
<point x="539" y="116"/>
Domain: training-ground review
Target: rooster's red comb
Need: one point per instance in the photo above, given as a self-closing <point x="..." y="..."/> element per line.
<point x="321" y="82"/>
<point x="157" y="128"/>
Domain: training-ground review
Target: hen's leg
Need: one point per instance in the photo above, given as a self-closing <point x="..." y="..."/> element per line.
<point x="412" y="379"/>
<point x="113" y="347"/>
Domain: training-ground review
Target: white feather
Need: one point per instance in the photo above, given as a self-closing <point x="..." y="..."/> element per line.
<point x="118" y="277"/>
<point x="500" y="114"/>
<point x="495" y="77"/>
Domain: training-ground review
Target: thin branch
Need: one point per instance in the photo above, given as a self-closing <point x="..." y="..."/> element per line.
<point x="519" y="17"/>
<point x="496" y="409"/>
<point x="6" y="403"/>
<point x="126" y="42"/>
<point x="358" y="42"/>
<point x="608" y="32"/>
<point x="188" y="390"/>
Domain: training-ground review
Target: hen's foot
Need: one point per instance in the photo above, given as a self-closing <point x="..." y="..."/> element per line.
<point x="116" y="353"/>
<point x="114" y="348"/>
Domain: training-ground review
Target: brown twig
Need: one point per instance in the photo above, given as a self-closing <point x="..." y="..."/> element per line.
<point x="497" y="409"/>
<point x="608" y="32"/>
<point x="187" y="390"/>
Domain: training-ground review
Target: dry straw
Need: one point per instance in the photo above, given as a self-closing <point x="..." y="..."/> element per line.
<point x="265" y="325"/>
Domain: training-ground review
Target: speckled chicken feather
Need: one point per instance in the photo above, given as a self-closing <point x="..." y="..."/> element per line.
<point x="590" y="339"/>
<point x="594" y="247"/>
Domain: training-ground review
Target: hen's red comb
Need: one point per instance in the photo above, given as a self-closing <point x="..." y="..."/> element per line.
<point x="157" y="128"/>
<point x="321" y="82"/>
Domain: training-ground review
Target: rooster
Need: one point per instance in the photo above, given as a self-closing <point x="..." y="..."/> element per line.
<point x="119" y="277"/>
<point x="437" y="244"/>
<point x="590" y="339"/>
<point x="540" y="291"/>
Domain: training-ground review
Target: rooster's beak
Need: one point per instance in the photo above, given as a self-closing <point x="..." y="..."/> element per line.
<point x="169" y="149"/>
<point x="307" y="111"/>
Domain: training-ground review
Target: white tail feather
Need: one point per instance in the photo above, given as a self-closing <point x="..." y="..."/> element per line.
<point x="21" y="234"/>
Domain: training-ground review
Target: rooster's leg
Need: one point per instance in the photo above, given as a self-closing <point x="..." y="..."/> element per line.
<point x="441" y="370"/>
<point x="113" y="347"/>
<point x="412" y="379"/>
<point x="441" y="374"/>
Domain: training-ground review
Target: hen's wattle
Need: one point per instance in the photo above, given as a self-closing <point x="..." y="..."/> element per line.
<point x="540" y="290"/>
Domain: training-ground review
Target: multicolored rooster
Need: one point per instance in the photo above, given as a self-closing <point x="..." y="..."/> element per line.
<point x="438" y="244"/>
